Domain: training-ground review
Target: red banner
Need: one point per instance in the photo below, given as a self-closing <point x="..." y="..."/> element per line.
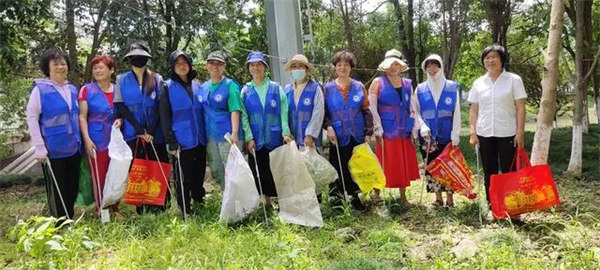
<point x="451" y="171"/>
<point x="528" y="189"/>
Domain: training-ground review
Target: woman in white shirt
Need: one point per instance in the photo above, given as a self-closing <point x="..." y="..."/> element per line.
<point x="497" y="114"/>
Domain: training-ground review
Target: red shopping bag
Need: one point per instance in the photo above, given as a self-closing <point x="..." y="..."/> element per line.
<point x="147" y="184"/>
<point x="451" y="171"/>
<point x="528" y="189"/>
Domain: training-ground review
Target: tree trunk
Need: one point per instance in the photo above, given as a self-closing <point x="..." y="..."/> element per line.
<point x="347" y="20"/>
<point x="72" y="43"/>
<point x="541" y="140"/>
<point x="410" y="56"/>
<point x="406" y="37"/>
<point x="597" y="95"/>
<point x="499" y="16"/>
<point x="576" y="161"/>
<point x="97" y="38"/>
<point x="453" y="33"/>
<point x="585" y="121"/>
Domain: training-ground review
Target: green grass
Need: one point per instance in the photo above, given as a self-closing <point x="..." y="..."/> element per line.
<point x="386" y="237"/>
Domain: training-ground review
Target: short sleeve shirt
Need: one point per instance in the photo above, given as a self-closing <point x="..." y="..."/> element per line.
<point x="497" y="110"/>
<point x="83" y="96"/>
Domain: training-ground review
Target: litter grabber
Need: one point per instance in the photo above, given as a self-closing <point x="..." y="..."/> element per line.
<point x="62" y="201"/>
<point x="382" y="197"/>
<point x="478" y="184"/>
<point x="337" y="149"/>
<point x="104" y="213"/>
<point x="180" y="173"/>
<point x="425" y="173"/>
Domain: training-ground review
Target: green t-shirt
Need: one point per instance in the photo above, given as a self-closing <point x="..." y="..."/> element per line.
<point x="262" y="95"/>
<point x="234" y="102"/>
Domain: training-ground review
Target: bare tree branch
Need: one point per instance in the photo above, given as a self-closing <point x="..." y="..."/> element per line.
<point x="378" y="6"/>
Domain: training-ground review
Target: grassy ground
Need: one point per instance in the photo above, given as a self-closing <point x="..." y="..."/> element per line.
<point x="386" y="237"/>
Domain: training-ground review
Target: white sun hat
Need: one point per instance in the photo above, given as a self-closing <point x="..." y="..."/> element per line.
<point x="392" y="56"/>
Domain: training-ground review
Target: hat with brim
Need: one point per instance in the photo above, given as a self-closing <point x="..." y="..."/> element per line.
<point x="138" y="52"/>
<point x="256" y="57"/>
<point x="138" y="49"/>
<point x="216" y="56"/>
<point x="301" y="59"/>
<point x="391" y="57"/>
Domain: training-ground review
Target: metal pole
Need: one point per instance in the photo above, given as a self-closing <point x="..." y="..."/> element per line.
<point x="341" y="172"/>
<point x="181" y="184"/>
<point x="62" y="201"/>
<point x="425" y="172"/>
<point x="259" y="184"/>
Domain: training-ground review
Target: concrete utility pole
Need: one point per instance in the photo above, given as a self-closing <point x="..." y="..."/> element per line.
<point x="284" y="31"/>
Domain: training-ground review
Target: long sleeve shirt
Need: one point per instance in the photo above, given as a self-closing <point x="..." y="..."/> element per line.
<point x="315" y="125"/>
<point x="34" y="110"/>
<point x="374" y="93"/>
<point x="366" y="112"/>
<point x="436" y="92"/>
<point x="262" y="90"/>
<point x="165" y="113"/>
<point x="124" y="112"/>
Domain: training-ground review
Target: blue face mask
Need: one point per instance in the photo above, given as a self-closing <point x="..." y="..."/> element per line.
<point x="298" y="74"/>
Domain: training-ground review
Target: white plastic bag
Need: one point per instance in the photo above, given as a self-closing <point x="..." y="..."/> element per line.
<point x="118" y="168"/>
<point x="240" y="196"/>
<point x="295" y="189"/>
<point x="319" y="168"/>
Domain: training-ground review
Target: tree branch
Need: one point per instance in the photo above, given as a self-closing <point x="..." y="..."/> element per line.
<point x="591" y="68"/>
<point x="378" y="6"/>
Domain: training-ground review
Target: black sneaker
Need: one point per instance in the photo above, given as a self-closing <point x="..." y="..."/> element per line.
<point x="357" y="204"/>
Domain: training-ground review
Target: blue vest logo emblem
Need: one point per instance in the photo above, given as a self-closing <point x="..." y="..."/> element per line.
<point x="448" y="101"/>
<point x="218" y="98"/>
<point x="199" y="98"/>
<point x="356" y="98"/>
<point x="153" y="96"/>
<point x="306" y="102"/>
<point x="273" y="103"/>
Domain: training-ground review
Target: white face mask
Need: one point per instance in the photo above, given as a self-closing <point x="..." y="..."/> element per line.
<point x="298" y="74"/>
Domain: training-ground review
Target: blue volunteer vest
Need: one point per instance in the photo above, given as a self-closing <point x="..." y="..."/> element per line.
<point x="265" y="123"/>
<point x="438" y="117"/>
<point x="142" y="106"/>
<point x="59" y="125"/>
<point x="100" y="116"/>
<point x="394" y="109"/>
<point x="187" y="114"/>
<point x="299" y="116"/>
<point x="216" y="110"/>
<point x="346" y="116"/>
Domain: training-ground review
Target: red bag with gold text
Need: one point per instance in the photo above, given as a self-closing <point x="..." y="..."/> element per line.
<point x="450" y="170"/>
<point x="147" y="184"/>
<point x="528" y="189"/>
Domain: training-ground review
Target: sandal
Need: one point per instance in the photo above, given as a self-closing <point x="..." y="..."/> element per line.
<point x="450" y="205"/>
<point x="438" y="203"/>
<point x="375" y="199"/>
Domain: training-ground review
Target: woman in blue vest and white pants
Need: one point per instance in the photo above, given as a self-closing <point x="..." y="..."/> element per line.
<point x="267" y="118"/>
<point x="222" y="114"/>
<point x="53" y="120"/>
<point x="438" y="106"/>
<point x="348" y="121"/>
<point x="305" y="103"/>
<point x="136" y="97"/>
<point x="182" y="104"/>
